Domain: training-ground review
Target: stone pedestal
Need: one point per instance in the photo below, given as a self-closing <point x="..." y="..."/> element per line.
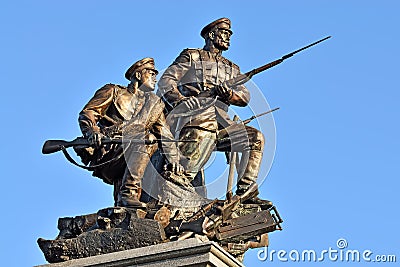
<point x="190" y="252"/>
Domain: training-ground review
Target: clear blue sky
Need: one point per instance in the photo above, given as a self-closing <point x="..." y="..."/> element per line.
<point x="337" y="163"/>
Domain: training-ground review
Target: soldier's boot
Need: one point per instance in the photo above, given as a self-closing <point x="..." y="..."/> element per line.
<point x="249" y="176"/>
<point x="131" y="189"/>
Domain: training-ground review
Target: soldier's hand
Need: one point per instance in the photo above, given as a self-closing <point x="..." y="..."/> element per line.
<point x="192" y="103"/>
<point x="150" y="139"/>
<point x="95" y="139"/>
<point x="224" y="91"/>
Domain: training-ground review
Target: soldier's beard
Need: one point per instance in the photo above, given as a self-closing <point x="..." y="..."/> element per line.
<point x="220" y="44"/>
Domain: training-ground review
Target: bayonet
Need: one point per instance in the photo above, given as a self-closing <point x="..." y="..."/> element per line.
<point x="242" y="78"/>
<point x="258" y="115"/>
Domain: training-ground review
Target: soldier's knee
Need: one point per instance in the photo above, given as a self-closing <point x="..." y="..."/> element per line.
<point x="260" y="137"/>
<point x="257" y="140"/>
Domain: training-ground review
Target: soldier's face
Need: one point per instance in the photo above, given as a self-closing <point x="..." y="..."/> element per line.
<point x="149" y="79"/>
<point x="222" y="39"/>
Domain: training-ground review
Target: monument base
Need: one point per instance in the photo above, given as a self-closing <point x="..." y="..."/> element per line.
<point x="189" y="252"/>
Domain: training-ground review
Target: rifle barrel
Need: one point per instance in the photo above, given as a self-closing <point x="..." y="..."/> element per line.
<point x="259" y="115"/>
<point x="305" y="47"/>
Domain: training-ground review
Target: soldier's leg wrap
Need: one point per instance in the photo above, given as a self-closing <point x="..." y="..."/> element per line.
<point x="251" y="160"/>
<point x="250" y="166"/>
<point x="131" y="186"/>
<point x="249" y="172"/>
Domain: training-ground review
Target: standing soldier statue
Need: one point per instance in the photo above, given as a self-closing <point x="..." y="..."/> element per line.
<point x="195" y="76"/>
<point x="135" y="113"/>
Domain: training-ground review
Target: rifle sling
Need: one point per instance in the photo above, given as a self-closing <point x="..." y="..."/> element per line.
<point x="92" y="167"/>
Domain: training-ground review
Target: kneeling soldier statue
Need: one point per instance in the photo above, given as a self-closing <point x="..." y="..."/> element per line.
<point x="133" y="112"/>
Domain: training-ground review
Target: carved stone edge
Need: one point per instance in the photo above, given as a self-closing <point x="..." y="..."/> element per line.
<point x="177" y="253"/>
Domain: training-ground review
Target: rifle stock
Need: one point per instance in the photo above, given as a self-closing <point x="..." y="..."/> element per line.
<point x="52" y="146"/>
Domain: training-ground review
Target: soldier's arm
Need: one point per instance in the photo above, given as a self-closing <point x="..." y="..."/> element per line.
<point x="168" y="84"/>
<point x="95" y="109"/>
<point x="240" y="95"/>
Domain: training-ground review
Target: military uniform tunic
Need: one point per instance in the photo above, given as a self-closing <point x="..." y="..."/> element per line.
<point x="109" y="109"/>
<point x="193" y="72"/>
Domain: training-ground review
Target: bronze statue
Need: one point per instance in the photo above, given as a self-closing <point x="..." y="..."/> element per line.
<point x="124" y="126"/>
<point x="135" y="112"/>
<point x="198" y="73"/>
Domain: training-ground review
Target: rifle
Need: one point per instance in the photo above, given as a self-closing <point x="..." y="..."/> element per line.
<point x="51" y="146"/>
<point x="242" y="78"/>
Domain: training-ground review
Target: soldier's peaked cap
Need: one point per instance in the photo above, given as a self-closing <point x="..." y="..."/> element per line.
<point x="223" y="23"/>
<point x="145" y="63"/>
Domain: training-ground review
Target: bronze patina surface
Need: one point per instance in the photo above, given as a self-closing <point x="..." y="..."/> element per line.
<point x="196" y="77"/>
<point x="134" y="112"/>
<point x="132" y="135"/>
